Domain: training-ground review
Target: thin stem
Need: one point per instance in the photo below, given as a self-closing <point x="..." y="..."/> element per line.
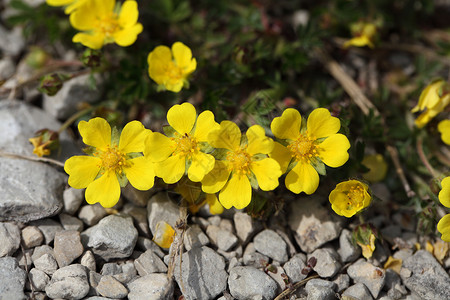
<point x="32" y="158"/>
<point x="423" y="158"/>
<point x="74" y="117"/>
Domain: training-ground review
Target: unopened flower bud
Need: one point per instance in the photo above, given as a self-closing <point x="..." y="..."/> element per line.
<point x="44" y="141"/>
<point x="52" y="83"/>
<point x="36" y="58"/>
<point x="91" y="58"/>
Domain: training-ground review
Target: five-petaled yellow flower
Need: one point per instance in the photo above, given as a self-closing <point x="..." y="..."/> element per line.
<point x="434" y="98"/>
<point x="444" y="197"/>
<point x="349" y="197"/>
<point x="103" y="25"/>
<point x="71" y="5"/>
<point x="444" y="129"/>
<point x="364" y="35"/>
<point x="171" y="68"/>
<point x="305" y="148"/>
<point x="184" y="149"/>
<point x="244" y="163"/>
<point x="112" y="163"/>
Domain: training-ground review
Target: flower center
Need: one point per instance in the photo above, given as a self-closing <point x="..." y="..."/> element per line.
<point x="239" y="162"/>
<point x="112" y="159"/>
<point x="303" y="148"/>
<point x="174" y="72"/>
<point x="355" y="197"/>
<point x="186" y="145"/>
<point x="108" y="25"/>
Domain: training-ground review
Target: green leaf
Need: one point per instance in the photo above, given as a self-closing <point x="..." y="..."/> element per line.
<point x="169" y="131"/>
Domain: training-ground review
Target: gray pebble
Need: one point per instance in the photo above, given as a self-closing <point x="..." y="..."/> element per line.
<point x="151" y="287"/>
<point x="39" y="279"/>
<point x="111" y="269"/>
<point x="319" y="289"/>
<point x="91" y="214"/>
<point x="358" y="291"/>
<point x="12" y="279"/>
<point x="10" y="238"/>
<point x="145" y="244"/>
<point x="139" y="214"/>
<point x="294" y="267"/>
<point x="88" y="260"/>
<point x="67" y="247"/>
<point x="41" y="250"/>
<point x="70" y="282"/>
<point x="71" y="223"/>
<point x="245" y="226"/>
<point x="128" y="273"/>
<point x="270" y="243"/>
<point x="328" y="263"/>
<point x="148" y="262"/>
<point x="347" y="249"/>
<point x="111" y="288"/>
<point x="46" y="263"/>
<point x="342" y="282"/>
<point x="372" y="277"/>
<point x="226" y="240"/>
<point x="195" y="238"/>
<point x="253" y="258"/>
<point x="72" y="199"/>
<point x="248" y="283"/>
<point x="161" y="208"/>
<point x="48" y="227"/>
<point x="32" y="237"/>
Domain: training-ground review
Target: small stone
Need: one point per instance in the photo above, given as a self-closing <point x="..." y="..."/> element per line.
<point x="24" y="258"/>
<point x="111" y="269"/>
<point x="328" y="263"/>
<point x="39" y="279"/>
<point x="294" y="267"/>
<point x="372" y="277"/>
<point x="111" y="288"/>
<point x="342" y="282"/>
<point x="319" y="289"/>
<point x="253" y="258"/>
<point x="394" y="285"/>
<point x="195" y="238"/>
<point x="161" y="208"/>
<point x="275" y="273"/>
<point x="347" y="249"/>
<point x="68" y="247"/>
<point x="226" y="240"/>
<point x="151" y="287"/>
<point x="46" y="263"/>
<point x="10" y="238"/>
<point x="427" y="277"/>
<point x="270" y="243"/>
<point x="11" y="42"/>
<point x="149" y="263"/>
<point x="70" y="282"/>
<point x="94" y="278"/>
<point x="72" y="199"/>
<point x="139" y="214"/>
<point x="246" y="226"/>
<point x="113" y="237"/>
<point x="215" y="220"/>
<point x="92" y="214"/>
<point x="71" y="223"/>
<point x="145" y="244"/>
<point x="358" y="291"/>
<point x="41" y="250"/>
<point x="128" y="273"/>
<point x="12" y="279"/>
<point x="32" y="237"/>
<point x="203" y="273"/>
<point x="88" y="260"/>
<point x="48" y="227"/>
<point x="249" y="283"/>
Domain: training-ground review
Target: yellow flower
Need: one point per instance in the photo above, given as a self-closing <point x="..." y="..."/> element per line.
<point x="164" y="234"/>
<point x="434" y="98"/>
<point x="103" y="25"/>
<point x="306" y="148"/>
<point x="444" y="129"/>
<point x="369" y="248"/>
<point x="377" y="167"/>
<point x="364" y="34"/>
<point x="349" y="197"/>
<point x="184" y="149"/>
<point x="244" y="163"/>
<point x="171" y="68"/>
<point x="44" y="141"/>
<point x="71" y="5"/>
<point x="444" y="197"/>
<point x="112" y="163"/>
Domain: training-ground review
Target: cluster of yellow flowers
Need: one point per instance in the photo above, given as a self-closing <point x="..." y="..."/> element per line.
<point x="216" y="156"/>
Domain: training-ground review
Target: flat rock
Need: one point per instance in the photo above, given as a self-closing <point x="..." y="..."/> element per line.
<point x="111" y="288"/>
<point x="328" y="263"/>
<point x="313" y="224"/>
<point x="270" y="243"/>
<point x="249" y="283"/>
<point x="203" y="273"/>
<point x="70" y="282"/>
<point x="10" y="238"/>
<point x="372" y="277"/>
<point x="12" y="279"/>
<point x="422" y="274"/>
<point x="294" y="267"/>
<point x="67" y="247"/>
<point x="149" y="262"/>
<point x="48" y="227"/>
<point x="358" y="291"/>
<point x="151" y="287"/>
<point x="113" y="237"/>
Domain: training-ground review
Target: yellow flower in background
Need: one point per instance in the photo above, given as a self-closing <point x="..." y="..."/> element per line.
<point x="306" y="148"/>
<point x="349" y="197"/>
<point x="170" y="68"/>
<point x="44" y="141"/>
<point x="70" y="5"/>
<point x="444" y="129"/>
<point x="113" y="161"/>
<point x="163" y="235"/>
<point x="183" y="149"/>
<point x="244" y="163"/>
<point x="377" y="167"/>
<point x="444" y="197"/>
<point x="364" y="35"/>
<point x="102" y="24"/>
<point x="434" y="98"/>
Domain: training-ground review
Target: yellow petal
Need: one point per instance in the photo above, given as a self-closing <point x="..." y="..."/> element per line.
<point x="333" y="150"/>
<point x="216" y="179"/>
<point x="258" y="142"/>
<point x="103" y="7"/>
<point x="288" y="125"/>
<point x="163" y="235"/>
<point x="129" y="14"/>
<point x="444" y="228"/>
<point x="172" y="169"/>
<point x="394" y="264"/>
<point x="132" y="137"/>
<point x="321" y="124"/>
<point x="215" y="207"/>
<point x="93" y="41"/>
<point x="85" y="17"/>
<point x="205" y="124"/>
<point x="158" y="61"/>
<point x="444" y="194"/>
<point x="444" y="129"/>
<point x="82" y="170"/>
<point x="201" y="164"/>
<point x="359" y="41"/>
<point x="141" y="173"/>
<point x="237" y="192"/>
<point x="302" y="178"/>
<point x="429" y="96"/>
<point x="128" y="36"/>
<point x="158" y="147"/>
<point x="174" y="85"/>
<point x="267" y="172"/>
<point x="228" y="136"/>
<point x="105" y="190"/>
<point x="59" y="2"/>
<point x="182" y="55"/>
<point x="96" y="133"/>
<point x="282" y="155"/>
<point x="182" y="117"/>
